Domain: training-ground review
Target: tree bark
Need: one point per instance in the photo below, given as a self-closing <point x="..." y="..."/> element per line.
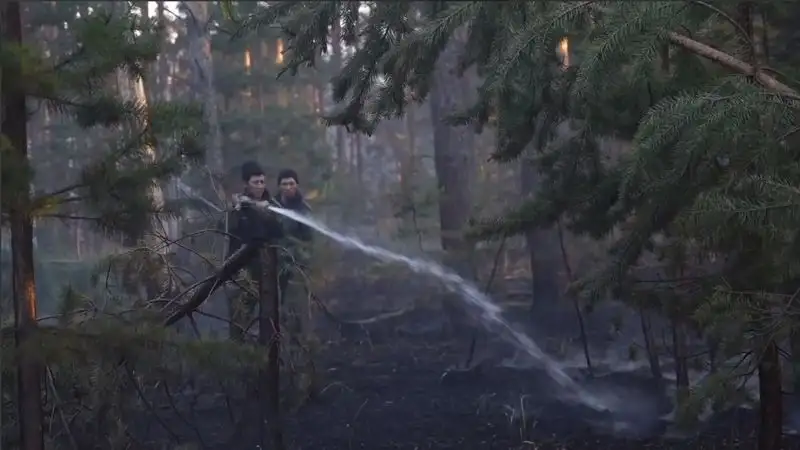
<point x="680" y="353"/>
<point x="203" y="71"/>
<point x="14" y="128"/>
<point x="794" y="348"/>
<point x="650" y="346"/>
<point x="134" y="90"/>
<point x="336" y="62"/>
<point x="358" y="160"/>
<point x="731" y="63"/>
<point x="236" y="262"/>
<point x="453" y="149"/>
<point x="164" y="89"/>
<point x="453" y="160"/>
<point x="269" y="332"/>
<point x="542" y="244"/>
<point x="770" y="433"/>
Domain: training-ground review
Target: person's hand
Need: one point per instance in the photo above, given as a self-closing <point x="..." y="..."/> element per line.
<point x="243" y="201"/>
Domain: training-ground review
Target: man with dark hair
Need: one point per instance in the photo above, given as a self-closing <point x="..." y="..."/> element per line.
<point x="297" y="237"/>
<point x="290" y="197"/>
<point x="245" y="224"/>
<point x="294" y="256"/>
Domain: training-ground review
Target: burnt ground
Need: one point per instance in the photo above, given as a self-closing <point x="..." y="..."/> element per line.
<point x="395" y="389"/>
<point x="399" y="394"/>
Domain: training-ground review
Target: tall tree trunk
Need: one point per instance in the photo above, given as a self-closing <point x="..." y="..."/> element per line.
<point x="680" y="353"/>
<point x="650" y="345"/>
<point x="542" y="244"/>
<point x="542" y="250"/>
<point x="770" y="433"/>
<point x="453" y="160"/>
<point x="794" y="348"/>
<point x="203" y="70"/>
<point x="358" y="160"/>
<point x="336" y="62"/>
<point x="162" y="71"/>
<point x="14" y="128"/>
<point x="163" y="83"/>
<point x="134" y="90"/>
<point x="269" y="329"/>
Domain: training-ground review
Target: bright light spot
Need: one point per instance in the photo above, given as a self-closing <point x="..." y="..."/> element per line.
<point x="563" y="47"/>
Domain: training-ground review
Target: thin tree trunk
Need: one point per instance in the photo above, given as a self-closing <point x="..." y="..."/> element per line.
<point x="14" y="128"/>
<point x="359" y="160"/>
<point x="542" y="244"/>
<point x="650" y="346"/>
<point x="681" y="361"/>
<point x="162" y="74"/>
<point x="452" y="160"/>
<point x="269" y="329"/>
<point x="770" y="433"/>
<point x="133" y="90"/>
<point x="336" y="62"/>
<point x="575" y="303"/>
<point x="203" y="70"/>
<point x="770" y="380"/>
<point x="452" y="147"/>
<point x="163" y="82"/>
<point x="713" y="349"/>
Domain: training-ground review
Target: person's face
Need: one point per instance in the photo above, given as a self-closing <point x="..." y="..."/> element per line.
<point x="288" y="187"/>
<point x="256" y="185"/>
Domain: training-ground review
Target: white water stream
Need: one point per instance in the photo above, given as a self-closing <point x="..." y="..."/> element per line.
<point x="490" y="313"/>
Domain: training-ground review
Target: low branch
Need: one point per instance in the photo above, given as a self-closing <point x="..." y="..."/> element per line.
<point x="732" y="63"/>
<point x="237" y="261"/>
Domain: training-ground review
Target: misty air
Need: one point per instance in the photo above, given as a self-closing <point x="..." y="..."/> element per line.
<point x="399" y="225"/>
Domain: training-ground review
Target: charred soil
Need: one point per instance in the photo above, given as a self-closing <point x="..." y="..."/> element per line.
<point x="397" y="390"/>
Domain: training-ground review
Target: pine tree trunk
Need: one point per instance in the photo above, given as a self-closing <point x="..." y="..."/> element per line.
<point x="358" y="160"/>
<point x="452" y="160"/>
<point x="269" y="329"/>
<point x="794" y="348"/>
<point x="452" y="149"/>
<point x="575" y="303"/>
<point x="408" y="169"/>
<point x="336" y="62"/>
<point x="163" y="83"/>
<point x="680" y="352"/>
<point x="542" y="245"/>
<point x="133" y="89"/>
<point x="770" y="380"/>
<point x="14" y="128"/>
<point x="650" y="346"/>
<point x="770" y="433"/>
<point x="162" y="72"/>
<point x="713" y="350"/>
<point x="203" y="71"/>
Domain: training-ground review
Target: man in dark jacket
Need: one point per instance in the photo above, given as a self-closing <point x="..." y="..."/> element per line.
<point x="297" y="237"/>
<point x="294" y="254"/>
<point x="296" y="243"/>
<point x="247" y="225"/>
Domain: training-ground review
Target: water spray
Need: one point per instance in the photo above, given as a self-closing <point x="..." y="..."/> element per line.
<point x="490" y="315"/>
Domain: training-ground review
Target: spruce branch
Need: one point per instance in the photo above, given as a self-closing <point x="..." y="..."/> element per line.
<point x="732" y="63"/>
